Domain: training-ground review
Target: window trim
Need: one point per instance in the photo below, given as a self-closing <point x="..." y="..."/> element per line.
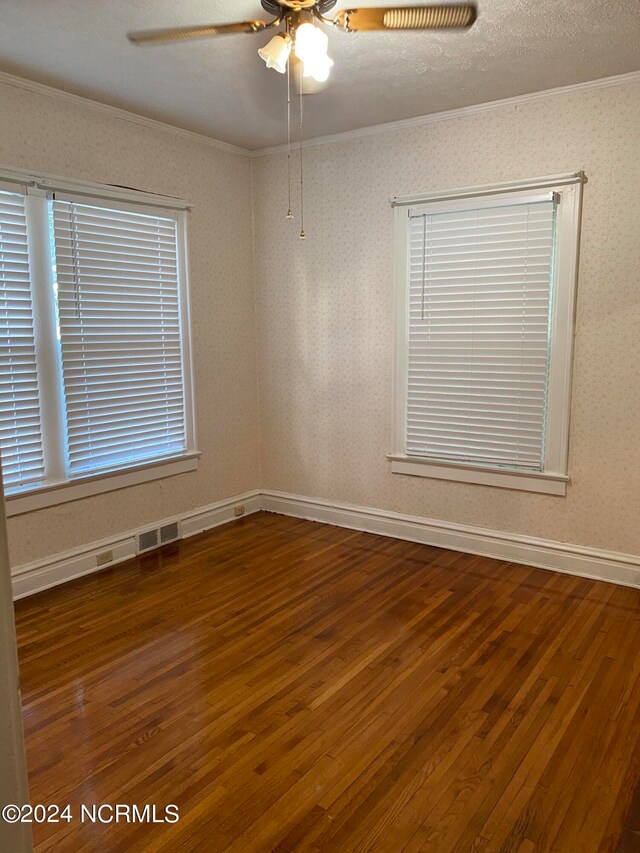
<point x="554" y="478"/>
<point x="53" y="494"/>
<point x="58" y="489"/>
<point x="10" y="178"/>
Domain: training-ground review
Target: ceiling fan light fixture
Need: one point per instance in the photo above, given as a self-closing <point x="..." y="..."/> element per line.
<point x="319" y="69"/>
<point x="276" y="53"/>
<point x="311" y="44"/>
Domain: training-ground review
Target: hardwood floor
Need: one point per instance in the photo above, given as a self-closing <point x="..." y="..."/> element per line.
<point x="297" y="686"/>
<point x="630" y="838"/>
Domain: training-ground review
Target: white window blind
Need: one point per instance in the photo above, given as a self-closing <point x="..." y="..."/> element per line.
<point x="119" y="314"/>
<point x="20" y="430"/>
<point x="479" y="333"/>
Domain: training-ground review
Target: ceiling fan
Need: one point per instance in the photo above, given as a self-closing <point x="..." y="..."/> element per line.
<point x="309" y="42"/>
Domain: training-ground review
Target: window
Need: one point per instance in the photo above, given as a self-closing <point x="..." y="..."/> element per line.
<point x="94" y="341"/>
<point x="486" y="284"/>
<point x="20" y="429"/>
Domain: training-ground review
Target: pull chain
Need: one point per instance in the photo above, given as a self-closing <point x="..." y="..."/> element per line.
<point x="289" y="211"/>
<point x="302" y="234"/>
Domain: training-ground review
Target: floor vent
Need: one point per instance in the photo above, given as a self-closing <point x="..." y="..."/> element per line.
<point x="169" y="532"/>
<point x="160" y="536"/>
<point x="148" y="540"/>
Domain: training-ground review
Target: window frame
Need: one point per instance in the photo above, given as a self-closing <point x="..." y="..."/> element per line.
<point x="554" y="477"/>
<point x="58" y="487"/>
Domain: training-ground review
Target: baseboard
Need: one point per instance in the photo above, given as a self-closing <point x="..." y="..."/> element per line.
<point x="590" y="563"/>
<point x="51" y="571"/>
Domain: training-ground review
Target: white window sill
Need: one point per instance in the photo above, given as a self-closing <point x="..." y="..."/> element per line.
<point x="523" y="481"/>
<point x="96" y="484"/>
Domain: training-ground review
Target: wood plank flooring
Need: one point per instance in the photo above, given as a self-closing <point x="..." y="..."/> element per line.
<point x="629" y="841"/>
<point x="296" y="686"/>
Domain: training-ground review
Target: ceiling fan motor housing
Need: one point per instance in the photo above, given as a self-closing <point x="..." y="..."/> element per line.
<point x="276" y="7"/>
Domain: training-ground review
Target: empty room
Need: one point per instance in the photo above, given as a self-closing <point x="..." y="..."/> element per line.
<point x="320" y="426"/>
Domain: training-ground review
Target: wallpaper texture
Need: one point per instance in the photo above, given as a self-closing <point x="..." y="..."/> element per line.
<point x="38" y="132"/>
<point x="322" y="356"/>
<point x="325" y="309"/>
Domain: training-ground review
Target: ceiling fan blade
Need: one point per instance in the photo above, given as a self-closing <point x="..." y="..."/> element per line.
<point x="444" y="16"/>
<point x="204" y="31"/>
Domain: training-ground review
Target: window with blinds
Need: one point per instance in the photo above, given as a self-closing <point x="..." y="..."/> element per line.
<point x="119" y="315"/>
<point x="20" y="427"/>
<point x="480" y="298"/>
<point x="486" y="282"/>
<point x="94" y="339"/>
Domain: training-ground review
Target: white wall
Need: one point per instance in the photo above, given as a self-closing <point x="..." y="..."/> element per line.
<point x="74" y="139"/>
<point x="325" y="309"/>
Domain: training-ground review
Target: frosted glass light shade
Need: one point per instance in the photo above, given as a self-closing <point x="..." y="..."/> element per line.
<point x="311" y="44"/>
<point x="276" y="52"/>
<point x="319" y="69"/>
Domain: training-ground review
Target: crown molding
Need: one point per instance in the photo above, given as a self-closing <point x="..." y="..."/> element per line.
<point x="460" y="112"/>
<point x="118" y="112"/>
<point x="344" y="136"/>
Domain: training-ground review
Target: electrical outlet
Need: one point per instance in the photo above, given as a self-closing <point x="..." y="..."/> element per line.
<point x="104" y="558"/>
<point x="239" y="510"/>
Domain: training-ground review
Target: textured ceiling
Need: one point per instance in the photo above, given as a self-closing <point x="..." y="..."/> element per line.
<point x="222" y="89"/>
